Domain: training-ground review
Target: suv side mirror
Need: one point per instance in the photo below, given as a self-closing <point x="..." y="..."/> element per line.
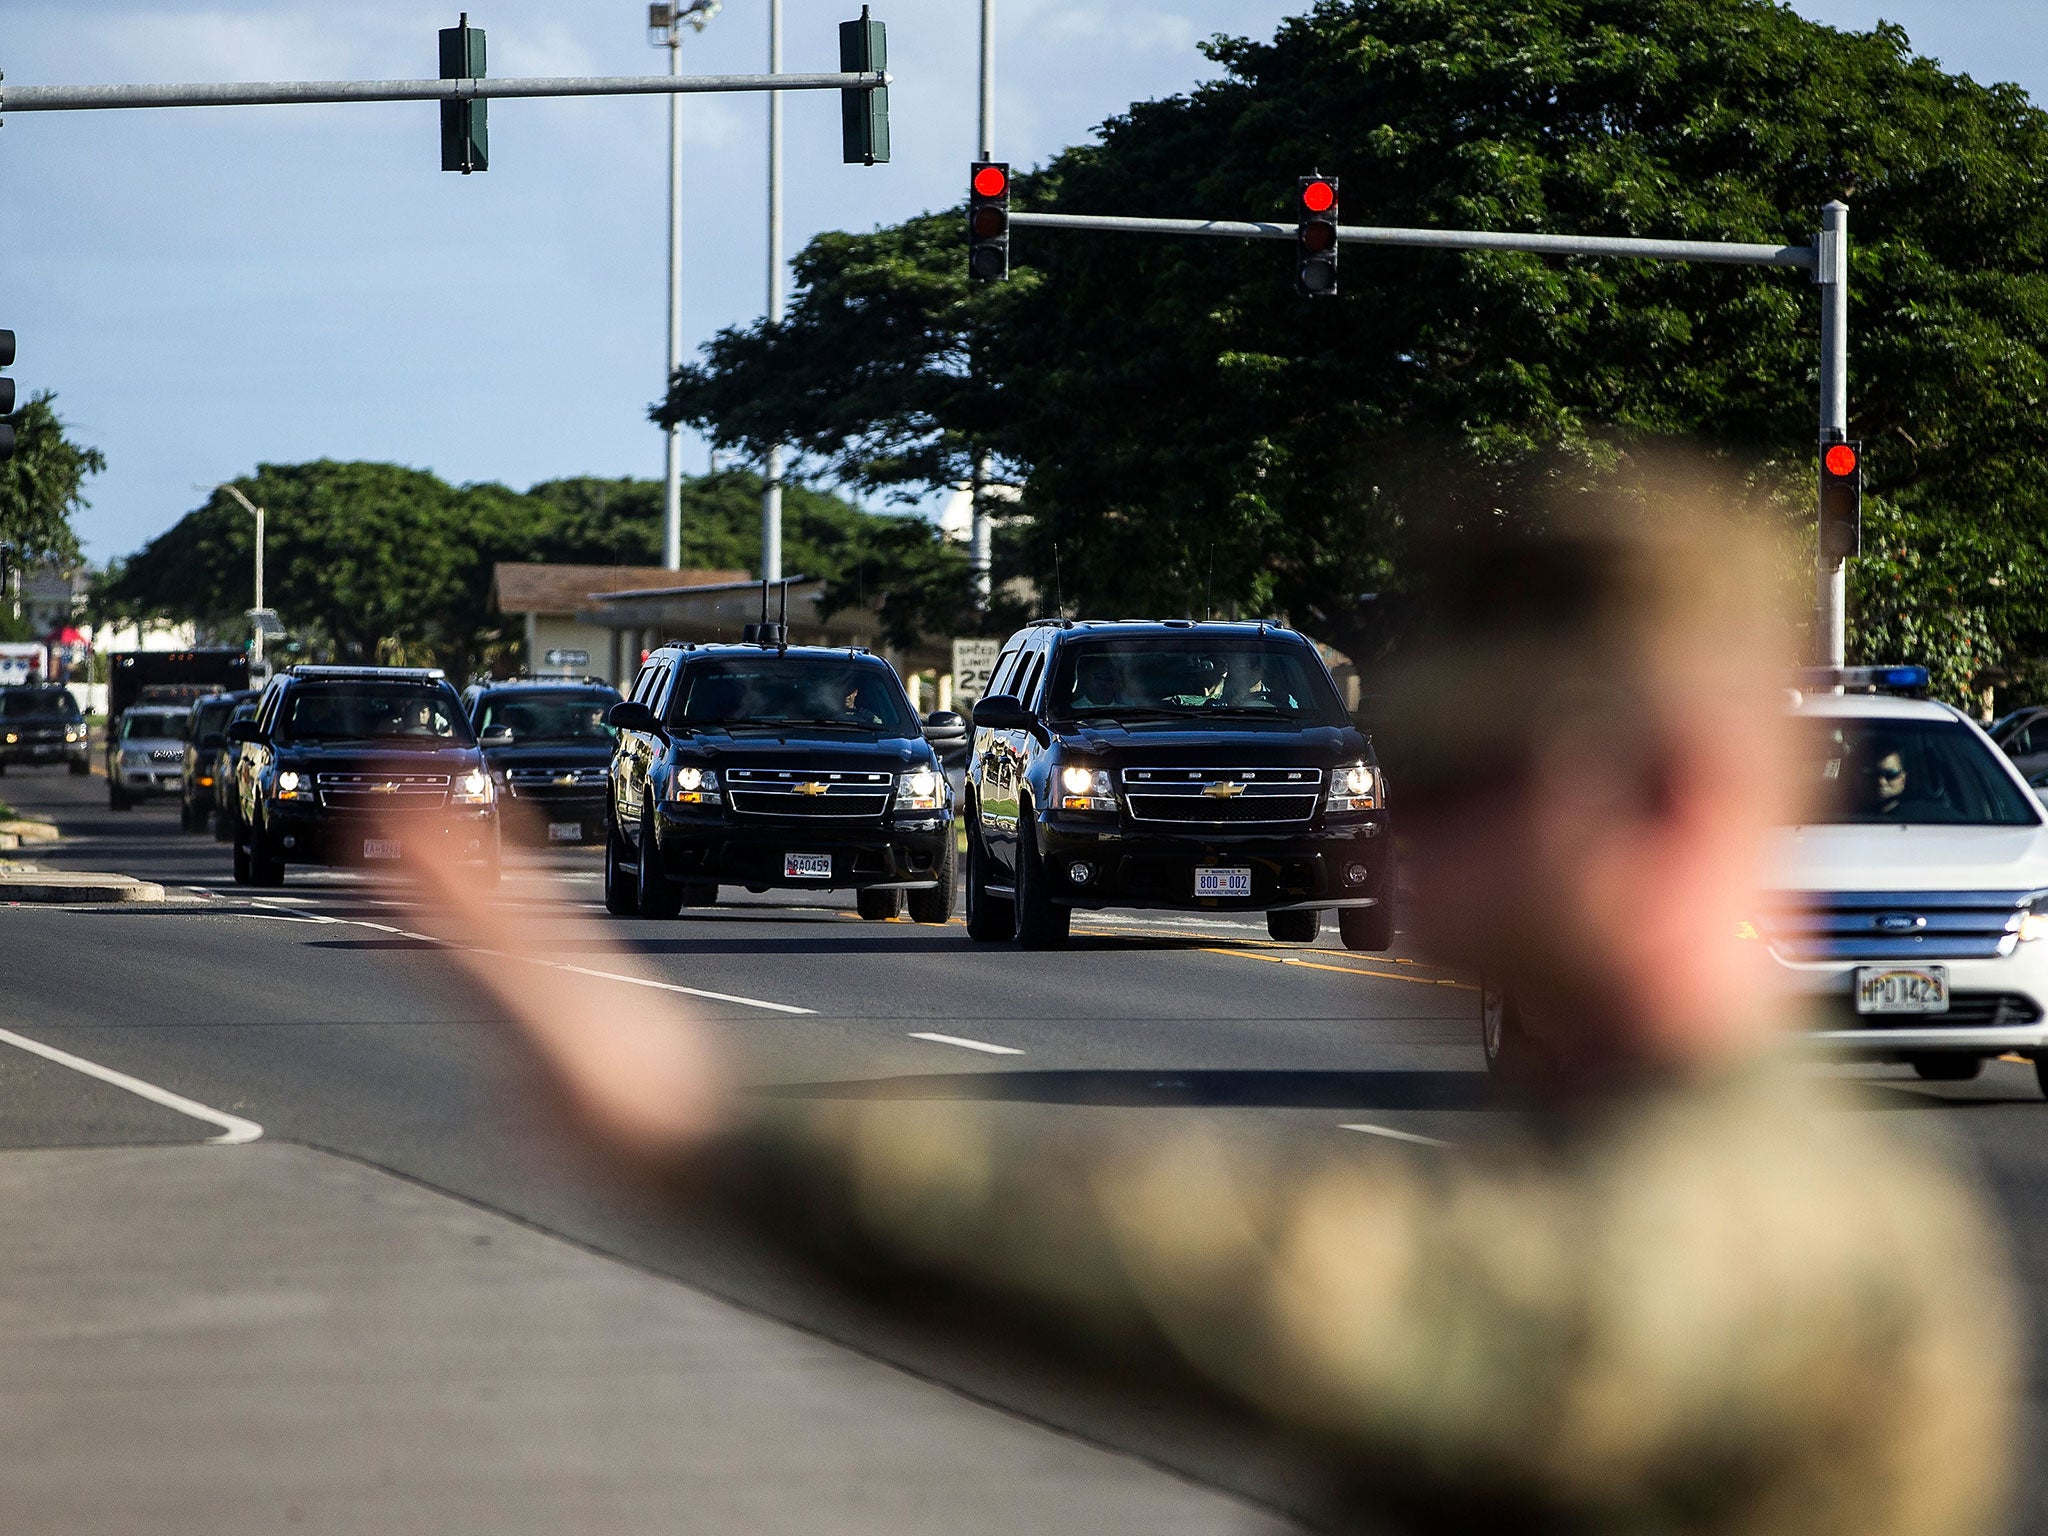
<point x="944" y="722"/>
<point x="495" y="735"/>
<point x="1002" y="713"/>
<point x="629" y="715"/>
<point x="244" y="731"/>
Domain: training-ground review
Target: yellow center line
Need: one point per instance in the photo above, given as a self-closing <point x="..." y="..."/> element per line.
<point x="1348" y="970"/>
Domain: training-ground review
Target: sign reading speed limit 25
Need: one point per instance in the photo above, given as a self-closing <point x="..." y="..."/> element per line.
<point x="973" y="661"/>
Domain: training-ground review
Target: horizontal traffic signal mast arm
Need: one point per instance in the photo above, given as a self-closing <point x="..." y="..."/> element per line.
<point x="279" y="93"/>
<point x="1799" y="256"/>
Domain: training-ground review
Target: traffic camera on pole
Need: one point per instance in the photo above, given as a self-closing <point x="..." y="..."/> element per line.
<point x="864" y="114"/>
<point x="6" y="397"/>
<point x="465" y="135"/>
<point x="988" y="221"/>
<point x="1315" y="236"/>
<point x="1841" y="500"/>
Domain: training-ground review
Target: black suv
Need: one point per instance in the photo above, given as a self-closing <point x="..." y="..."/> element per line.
<point x="1202" y="767"/>
<point x="206" y="738"/>
<point x="349" y="765"/>
<point x="549" y="751"/>
<point x="765" y="765"/>
<point x="41" y="723"/>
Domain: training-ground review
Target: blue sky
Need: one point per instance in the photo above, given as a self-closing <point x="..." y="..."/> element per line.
<point x="211" y="289"/>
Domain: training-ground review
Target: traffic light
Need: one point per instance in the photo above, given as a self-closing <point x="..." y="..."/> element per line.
<point x="1841" y="500"/>
<point x="864" y="115"/>
<point x="1315" y="236"/>
<point x="6" y="397"/>
<point x="988" y="221"/>
<point x="465" y="132"/>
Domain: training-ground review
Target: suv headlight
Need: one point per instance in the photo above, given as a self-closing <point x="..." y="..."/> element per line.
<point x="290" y="786"/>
<point x="474" y="788"/>
<point x="1086" y="789"/>
<point x="694" y="786"/>
<point x="1355" y="787"/>
<point x="919" y="790"/>
<point x="2034" y="920"/>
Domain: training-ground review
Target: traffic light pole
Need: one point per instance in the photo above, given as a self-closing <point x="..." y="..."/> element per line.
<point x="95" y="98"/>
<point x="1827" y="261"/>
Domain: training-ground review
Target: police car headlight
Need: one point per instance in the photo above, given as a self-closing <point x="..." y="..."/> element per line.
<point x="2034" y="926"/>
<point x="474" y="788"/>
<point x="694" y="786"/>
<point x="1086" y="789"/>
<point x="1354" y="787"/>
<point x="917" y="790"/>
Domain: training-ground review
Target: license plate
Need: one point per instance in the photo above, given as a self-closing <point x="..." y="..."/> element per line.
<point x="565" y="831"/>
<point x="807" y="866"/>
<point x="380" y="847"/>
<point x="1223" y="882"/>
<point x="1902" y="989"/>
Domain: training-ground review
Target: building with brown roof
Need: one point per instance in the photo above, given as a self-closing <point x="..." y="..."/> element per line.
<point x="553" y="602"/>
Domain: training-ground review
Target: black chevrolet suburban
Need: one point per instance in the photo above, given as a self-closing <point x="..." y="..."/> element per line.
<point x="770" y="766"/>
<point x="549" y="751"/>
<point x="360" y="766"/>
<point x="1183" y="765"/>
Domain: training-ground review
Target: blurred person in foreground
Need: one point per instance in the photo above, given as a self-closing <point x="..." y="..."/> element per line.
<point x="1687" y="1294"/>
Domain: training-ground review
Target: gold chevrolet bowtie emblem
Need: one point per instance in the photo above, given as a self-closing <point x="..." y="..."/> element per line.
<point x="385" y="789"/>
<point x="810" y="789"/>
<point x="565" y="778"/>
<point x="1224" y="791"/>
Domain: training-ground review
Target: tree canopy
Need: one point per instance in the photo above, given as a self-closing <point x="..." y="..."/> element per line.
<point x="43" y="485"/>
<point x="376" y="562"/>
<point x="1177" y="410"/>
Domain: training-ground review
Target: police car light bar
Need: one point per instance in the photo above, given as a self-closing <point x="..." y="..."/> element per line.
<point x="1901" y="679"/>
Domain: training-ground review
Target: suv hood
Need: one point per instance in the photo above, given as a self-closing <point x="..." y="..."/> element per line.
<point x="357" y="757"/>
<point x="762" y="749"/>
<point x="1243" y="745"/>
<point x="1911" y="858"/>
<point x="550" y="754"/>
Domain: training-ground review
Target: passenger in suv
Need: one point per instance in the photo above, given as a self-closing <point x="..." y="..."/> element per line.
<point x="769" y="766"/>
<point x="350" y="765"/>
<point x="549" y="751"/>
<point x="1172" y="765"/>
<point x="41" y="723"/>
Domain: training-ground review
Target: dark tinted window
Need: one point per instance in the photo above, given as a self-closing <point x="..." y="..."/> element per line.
<point x="210" y="719"/>
<point x="371" y="710"/>
<point x="793" y="690"/>
<point x="1934" y="772"/>
<point x="38" y="703"/>
<point x="568" y="714"/>
<point x="1169" y="675"/>
<point x="153" y="725"/>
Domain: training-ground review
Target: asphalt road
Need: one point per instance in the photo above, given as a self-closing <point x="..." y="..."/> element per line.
<point x="294" y="1010"/>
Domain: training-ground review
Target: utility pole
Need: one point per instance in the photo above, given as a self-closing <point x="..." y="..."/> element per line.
<point x="258" y="613"/>
<point x="665" y="22"/>
<point x="771" y="493"/>
<point x="1831" y="272"/>
<point x="980" y="558"/>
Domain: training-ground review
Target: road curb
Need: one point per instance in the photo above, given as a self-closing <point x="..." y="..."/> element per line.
<point x="64" y="886"/>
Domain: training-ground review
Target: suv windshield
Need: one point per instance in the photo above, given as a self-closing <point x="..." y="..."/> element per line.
<point x="153" y="725"/>
<point x="1168" y="676"/>
<point x="773" y="690"/>
<point x="1933" y="772"/>
<point x="533" y="715"/>
<point x="374" y="711"/>
<point x="39" y="703"/>
<point x="209" y="720"/>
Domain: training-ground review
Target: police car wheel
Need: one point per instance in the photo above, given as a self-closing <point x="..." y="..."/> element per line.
<point x="877" y="906"/>
<point x="936" y="904"/>
<point x="988" y="917"/>
<point x="659" y="896"/>
<point x="1041" y="923"/>
<point x="1368" y="927"/>
<point x="1947" y="1068"/>
<point x="1294" y="927"/>
<point x="620" y="898"/>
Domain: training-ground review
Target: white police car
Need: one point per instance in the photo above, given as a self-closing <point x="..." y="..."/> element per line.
<point x="1913" y="903"/>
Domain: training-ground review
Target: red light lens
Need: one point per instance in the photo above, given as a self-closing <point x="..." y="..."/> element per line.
<point x="990" y="181"/>
<point x="1841" y="460"/>
<point x="1318" y="196"/>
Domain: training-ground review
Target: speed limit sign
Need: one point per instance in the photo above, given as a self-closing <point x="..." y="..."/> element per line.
<point x="973" y="661"/>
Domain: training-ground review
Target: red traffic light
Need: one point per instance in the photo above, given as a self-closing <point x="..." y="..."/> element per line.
<point x="1318" y="196"/>
<point x="991" y="181"/>
<point x="1841" y="460"/>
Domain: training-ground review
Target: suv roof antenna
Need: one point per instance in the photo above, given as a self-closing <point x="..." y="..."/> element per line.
<point x="782" y="625"/>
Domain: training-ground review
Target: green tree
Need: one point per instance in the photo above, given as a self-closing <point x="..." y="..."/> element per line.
<point x="1195" y="434"/>
<point x="43" y="485"/>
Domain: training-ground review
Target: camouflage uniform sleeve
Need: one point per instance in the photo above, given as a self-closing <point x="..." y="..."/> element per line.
<point x="1721" y="1312"/>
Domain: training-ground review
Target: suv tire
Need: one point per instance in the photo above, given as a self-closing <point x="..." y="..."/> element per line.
<point x="265" y="868"/>
<point x="117" y="798"/>
<point x="79" y="768"/>
<point x="989" y="918"/>
<point x="1041" y="924"/>
<point x="187" y="822"/>
<point x="242" y="875"/>
<point x="620" y="897"/>
<point x="936" y="904"/>
<point x="1294" y="927"/>
<point x="877" y="906"/>
<point x="1369" y="927"/>
<point x="1946" y="1067"/>
<point x="658" y="896"/>
<point x="1513" y="1060"/>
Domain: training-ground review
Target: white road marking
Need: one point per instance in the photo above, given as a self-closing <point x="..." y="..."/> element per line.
<point x="235" y="1131"/>
<point x="1393" y="1135"/>
<point x="967" y="1045"/>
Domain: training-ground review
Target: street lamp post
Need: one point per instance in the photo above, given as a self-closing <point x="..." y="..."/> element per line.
<point x="771" y="492"/>
<point x="257" y="614"/>
<point x="665" y="24"/>
<point x="979" y="547"/>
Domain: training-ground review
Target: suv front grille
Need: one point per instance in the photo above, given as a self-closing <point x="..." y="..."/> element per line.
<point x="382" y="791"/>
<point x="792" y="792"/>
<point x="1223" y="796"/>
<point x="1895" y="925"/>
<point x="552" y="783"/>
